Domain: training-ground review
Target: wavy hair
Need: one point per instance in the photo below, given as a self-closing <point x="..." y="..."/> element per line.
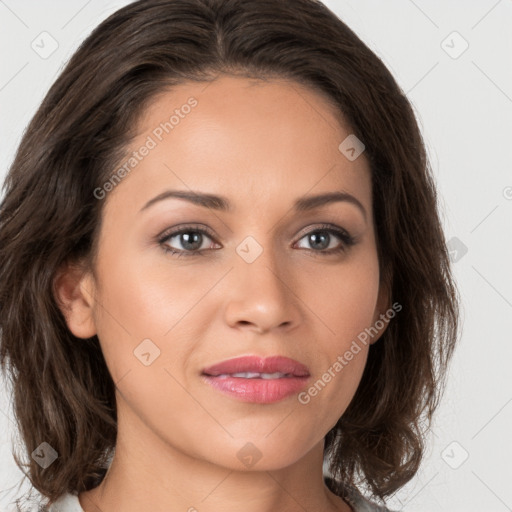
<point x="63" y="393"/>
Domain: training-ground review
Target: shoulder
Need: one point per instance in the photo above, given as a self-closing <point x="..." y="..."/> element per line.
<point x="356" y="500"/>
<point x="66" y="503"/>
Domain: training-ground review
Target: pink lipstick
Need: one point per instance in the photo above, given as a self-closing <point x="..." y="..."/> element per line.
<point x="256" y="379"/>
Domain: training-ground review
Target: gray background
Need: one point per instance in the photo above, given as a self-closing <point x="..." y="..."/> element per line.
<point x="463" y="100"/>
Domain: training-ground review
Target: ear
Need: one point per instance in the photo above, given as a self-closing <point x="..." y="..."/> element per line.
<point x="74" y="292"/>
<point x="380" y="319"/>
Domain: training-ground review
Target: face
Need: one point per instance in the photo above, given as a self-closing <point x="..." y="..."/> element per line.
<point x="182" y="285"/>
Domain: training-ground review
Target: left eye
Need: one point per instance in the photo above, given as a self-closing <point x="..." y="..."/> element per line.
<point x="321" y="239"/>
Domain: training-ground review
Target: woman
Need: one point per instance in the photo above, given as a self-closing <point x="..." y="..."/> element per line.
<point x="222" y="268"/>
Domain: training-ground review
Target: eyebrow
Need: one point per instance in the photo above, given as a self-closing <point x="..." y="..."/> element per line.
<point x="220" y="203"/>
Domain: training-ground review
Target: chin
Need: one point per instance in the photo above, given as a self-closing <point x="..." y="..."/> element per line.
<point x="260" y="453"/>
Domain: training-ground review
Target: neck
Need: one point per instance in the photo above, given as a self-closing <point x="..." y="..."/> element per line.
<point x="148" y="474"/>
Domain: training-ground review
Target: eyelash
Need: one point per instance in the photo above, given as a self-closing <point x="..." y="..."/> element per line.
<point x="346" y="239"/>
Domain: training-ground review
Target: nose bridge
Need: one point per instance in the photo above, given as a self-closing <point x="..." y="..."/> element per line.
<point x="262" y="296"/>
<point x="259" y="264"/>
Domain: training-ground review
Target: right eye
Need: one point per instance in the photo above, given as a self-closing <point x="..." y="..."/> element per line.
<point x="191" y="239"/>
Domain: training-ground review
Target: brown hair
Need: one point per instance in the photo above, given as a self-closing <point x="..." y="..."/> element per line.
<point x="63" y="393"/>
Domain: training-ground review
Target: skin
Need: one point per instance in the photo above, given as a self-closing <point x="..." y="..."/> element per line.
<point x="262" y="145"/>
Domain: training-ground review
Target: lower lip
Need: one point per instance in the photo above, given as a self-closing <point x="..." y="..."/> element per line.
<point x="260" y="391"/>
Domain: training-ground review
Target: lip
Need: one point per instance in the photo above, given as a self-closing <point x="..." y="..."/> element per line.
<point x="257" y="390"/>
<point x="258" y="364"/>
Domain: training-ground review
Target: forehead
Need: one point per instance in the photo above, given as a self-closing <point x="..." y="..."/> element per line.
<point x="252" y="140"/>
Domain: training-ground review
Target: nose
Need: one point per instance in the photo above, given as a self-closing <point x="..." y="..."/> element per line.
<point x="262" y="296"/>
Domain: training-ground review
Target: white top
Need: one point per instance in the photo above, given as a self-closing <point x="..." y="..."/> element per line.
<point x="67" y="503"/>
<point x="70" y="503"/>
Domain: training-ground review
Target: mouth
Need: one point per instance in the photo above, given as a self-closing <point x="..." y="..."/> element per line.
<point x="258" y="380"/>
<point x="254" y="375"/>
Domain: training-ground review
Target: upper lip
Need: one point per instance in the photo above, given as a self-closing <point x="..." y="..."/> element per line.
<point x="258" y="364"/>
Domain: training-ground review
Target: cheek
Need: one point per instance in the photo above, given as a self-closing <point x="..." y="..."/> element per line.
<point x="344" y="298"/>
<point x="146" y="296"/>
<point x="148" y="306"/>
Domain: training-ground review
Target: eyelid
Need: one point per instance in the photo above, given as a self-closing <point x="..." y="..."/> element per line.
<point x="184" y="228"/>
<point x="323" y="226"/>
<point x="172" y="232"/>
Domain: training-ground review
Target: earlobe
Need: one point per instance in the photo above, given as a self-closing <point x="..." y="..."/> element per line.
<point x="73" y="289"/>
